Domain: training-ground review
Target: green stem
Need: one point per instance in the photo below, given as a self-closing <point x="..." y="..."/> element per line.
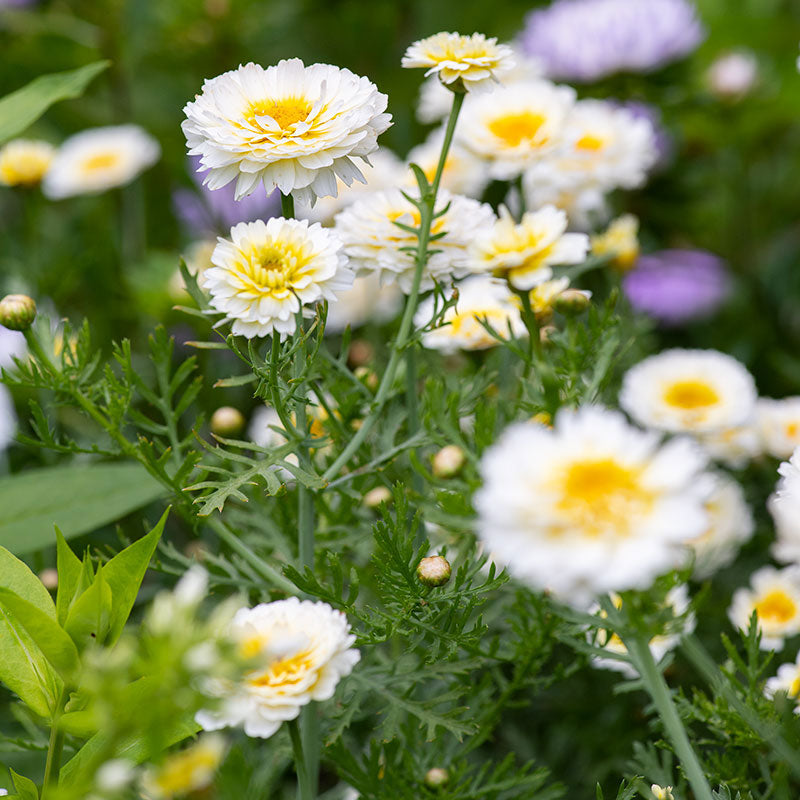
<point x="305" y="790"/>
<point x="403" y="334"/>
<point x="287" y="205"/>
<point x="54" y="750"/>
<point x="639" y="649"/>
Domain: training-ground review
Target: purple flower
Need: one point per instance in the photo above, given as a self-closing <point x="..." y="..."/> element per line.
<point x="584" y="40"/>
<point x="209" y="212"/>
<point x="676" y="286"/>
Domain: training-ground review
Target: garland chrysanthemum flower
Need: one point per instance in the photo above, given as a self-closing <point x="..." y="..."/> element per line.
<point x="463" y="173"/>
<point x="525" y="252"/>
<point x="99" y="159"/>
<point x="374" y="243"/>
<point x="267" y="271"/>
<point x="733" y="447"/>
<point x="775" y="597"/>
<point x="778" y="425"/>
<point x="590" y="506"/>
<point x="787" y="680"/>
<point x="513" y="127"/>
<point x="784" y="505"/>
<point x="289" y="126"/>
<point x="619" y="242"/>
<point x="693" y="391"/>
<point x="479" y="298"/>
<point x="186" y="771"/>
<point x="463" y="63"/>
<point x="300" y="650"/>
<point x="24" y="162"/>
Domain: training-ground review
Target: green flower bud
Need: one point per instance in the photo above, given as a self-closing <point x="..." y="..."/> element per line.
<point x="227" y="421"/>
<point x="448" y="461"/>
<point x="434" y="571"/>
<point x="571" y="302"/>
<point x="17" y="312"/>
<point x="436" y="777"/>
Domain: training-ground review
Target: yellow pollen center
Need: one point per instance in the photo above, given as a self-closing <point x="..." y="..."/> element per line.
<point x="179" y="774"/>
<point x="100" y="161"/>
<point x="515" y="128"/>
<point x="251" y="647"/>
<point x="285" y="112"/>
<point x="794" y="689"/>
<point x="590" y="142"/>
<point x="285" y="671"/>
<point x="791" y="430"/>
<point x="690" y="395"/>
<point x="776" y="606"/>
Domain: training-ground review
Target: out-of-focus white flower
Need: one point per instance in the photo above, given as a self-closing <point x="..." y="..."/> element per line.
<point x="267" y="271"/>
<point x="513" y="127"/>
<point x="366" y="300"/>
<point x="169" y="609"/>
<point x="374" y="243"/>
<point x="288" y="126"/>
<point x="463" y="173"/>
<point x="585" y="205"/>
<point x="734" y="447"/>
<point x="677" y="599"/>
<point x="115" y="775"/>
<point x="525" y="252"/>
<point x="99" y="159"/>
<point x="662" y="792"/>
<point x="784" y="505"/>
<point x="775" y="597"/>
<point x="8" y="418"/>
<point x="462" y="63"/>
<point x="24" y="162"/>
<point x="479" y="298"/>
<point x="694" y="391"/>
<point x="591" y="505"/>
<point x="197" y="259"/>
<point x="778" y="425"/>
<point x="300" y="651"/>
<point x="620" y="242"/>
<point x="787" y="680"/>
<point x="186" y="771"/>
<point x="730" y="525"/>
<point x="733" y="75"/>
<point x="262" y="426"/>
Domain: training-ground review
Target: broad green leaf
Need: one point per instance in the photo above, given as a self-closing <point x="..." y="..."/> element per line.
<point x="71" y="577"/>
<point x="23" y="107"/>
<point x="89" y="618"/>
<point x="16" y="576"/>
<point x="51" y="638"/>
<point x="25" y="787"/>
<point x="78" y="499"/>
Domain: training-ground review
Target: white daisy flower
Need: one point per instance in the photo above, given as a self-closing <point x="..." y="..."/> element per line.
<point x="374" y="243"/>
<point x="784" y="506"/>
<point x="301" y="651"/>
<point x="590" y="506"/>
<point x="99" y="159"/>
<point x="462" y="63"/>
<point x="512" y="128"/>
<point x="24" y="162"/>
<point x="367" y="300"/>
<point x="585" y="205"/>
<point x="677" y="599"/>
<point x="463" y="173"/>
<point x="267" y="271"/>
<point x="775" y="597"/>
<point x="733" y="447"/>
<point x="694" y="391"/>
<point x="787" y="680"/>
<point x="730" y="525"/>
<point x="526" y="252"/>
<point x="288" y="126"/>
<point x="479" y="297"/>
<point x="778" y="425"/>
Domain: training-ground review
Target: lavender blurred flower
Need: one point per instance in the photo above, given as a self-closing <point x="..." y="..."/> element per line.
<point x="663" y="140"/>
<point x="584" y="40"/>
<point x="676" y="286"/>
<point x="210" y="212"/>
<point x="733" y="74"/>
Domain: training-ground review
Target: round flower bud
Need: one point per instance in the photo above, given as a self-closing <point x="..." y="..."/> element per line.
<point x="49" y="577"/>
<point x="17" y="312"/>
<point x="368" y="377"/>
<point x="436" y="777"/>
<point x="434" y="571"/>
<point x="448" y="461"/>
<point x="571" y="302"/>
<point x="227" y="421"/>
<point x="360" y="353"/>
<point x="374" y="497"/>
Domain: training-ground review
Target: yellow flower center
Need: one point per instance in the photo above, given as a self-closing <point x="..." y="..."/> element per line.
<point x="791" y="429"/>
<point x="274" y="268"/>
<point x="284" y="672"/>
<point x="515" y="128"/>
<point x="776" y="606"/>
<point x="285" y="112"/>
<point x="794" y="689"/>
<point x="591" y="142"/>
<point x="25" y="169"/>
<point x="100" y="161"/>
<point x="690" y="395"/>
<point x="184" y="772"/>
<point x="251" y="646"/>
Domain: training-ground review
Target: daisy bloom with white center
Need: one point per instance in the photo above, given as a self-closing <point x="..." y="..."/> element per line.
<point x="463" y="63"/>
<point x="775" y="597"/>
<point x="300" y="650"/>
<point x="730" y="525"/>
<point x="186" y="771"/>
<point x="778" y="425"/>
<point x="479" y="298"/>
<point x="690" y="391"/>
<point x="374" y="243"/>
<point x="99" y="159"/>
<point x="24" y="162"/>
<point x="787" y="680"/>
<point x="677" y="600"/>
<point x="463" y="173"/>
<point x="267" y="271"/>
<point x="513" y="127"/>
<point x="525" y="252"/>
<point x="591" y="505"/>
<point x="288" y="126"/>
<point x="784" y="506"/>
<point x="620" y="242"/>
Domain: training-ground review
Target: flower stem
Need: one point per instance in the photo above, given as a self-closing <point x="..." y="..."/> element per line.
<point x="403" y="334"/>
<point x="305" y="790"/>
<point x="639" y="649"/>
<point x="287" y="205"/>
<point x="54" y="751"/>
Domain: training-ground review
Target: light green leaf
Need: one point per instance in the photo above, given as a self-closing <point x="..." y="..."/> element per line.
<point x="16" y="576"/>
<point x="71" y="577"/>
<point x="89" y="618"/>
<point x="25" y="787"/>
<point x="78" y="499"/>
<point x="22" y="108"/>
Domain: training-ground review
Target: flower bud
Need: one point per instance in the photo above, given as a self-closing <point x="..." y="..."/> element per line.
<point x="436" y="777"/>
<point x="571" y="302"/>
<point x="368" y="377"/>
<point x="227" y="421"/>
<point x="360" y="353"/>
<point x="17" y="312"/>
<point x="49" y="577"/>
<point x="662" y="792"/>
<point x="543" y="418"/>
<point x="733" y="75"/>
<point x="434" y="571"/>
<point x="448" y="461"/>
<point x="374" y="497"/>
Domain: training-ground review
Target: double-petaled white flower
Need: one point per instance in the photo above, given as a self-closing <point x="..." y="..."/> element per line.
<point x="778" y="425"/>
<point x="299" y="650"/>
<point x="267" y="271"/>
<point x="784" y="505"/>
<point x="591" y="505"/>
<point x="288" y="126"/>
<point x="787" y="680"/>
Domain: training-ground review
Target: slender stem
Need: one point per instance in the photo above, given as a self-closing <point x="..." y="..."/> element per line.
<point x="639" y="649"/>
<point x="54" y="749"/>
<point x="403" y="334"/>
<point x="305" y="790"/>
<point x="287" y="205"/>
